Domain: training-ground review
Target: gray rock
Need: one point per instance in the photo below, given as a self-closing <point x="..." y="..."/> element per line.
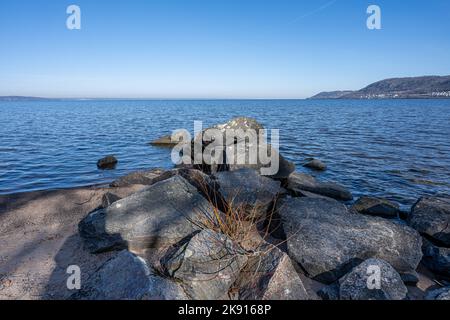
<point x="376" y="207"/>
<point x="108" y="199"/>
<point x="270" y="275"/>
<point x="127" y="277"/>
<point x="329" y="292"/>
<point x="436" y="259"/>
<point x="431" y="217"/>
<point x="298" y="182"/>
<point x="108" y="162"/>
<point x="164" y="141"/>
<point x="146" y="177"/>
<point x="438" y="294"/>
<point x="327" y="240"/>
<point x="247" y="189"/>
<point x="316" y="164"/>
<point x="359" y="284"/>
<point x="208" y="264"/>
<point x="159" y="215"/>
<point x="410" y="278"/>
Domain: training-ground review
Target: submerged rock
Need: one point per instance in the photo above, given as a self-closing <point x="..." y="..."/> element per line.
<point x="108" y="162"/>
<point x="316" y="164"/>
<point x="436" y="259"/>
<point x="208" y="264"/>
<point x="438" y="294"/>
<point x="147" y="177"/>
<point x="159" y="215"/>
<point x="247" y="189"/>
<point x="127" y="277"/>
<point x="270" y="275"/>
<point x="431" y="217"/>
<point x="360" y="283"/>
<point x="376" y="207"/>
<point x="327" y="240"/>
<point x="299" y="182"/>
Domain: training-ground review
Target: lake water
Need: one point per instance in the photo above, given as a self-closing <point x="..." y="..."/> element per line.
<point x="398" y="149"/>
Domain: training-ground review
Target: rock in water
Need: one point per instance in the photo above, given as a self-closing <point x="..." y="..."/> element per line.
<point x="436" y="259"/>
<point x="431" y="217"/>
<point x="147" y="177"/>
<point x="316" y="165"/>
<point x="164" y="141"/>
<point x="207" y="265"/>
<point x="360" y="283"/>
<point x="327" y="240"/>
<point x="376" y="207"/>
<point x="299" y="182"/>
<point x="159" y="215"/>
<point x="246" y="188"/>
<point x="438" y="294"/>
<point x="270" y="275"/>
<point x="108" y="162"/>
<point x="127" y="277"/>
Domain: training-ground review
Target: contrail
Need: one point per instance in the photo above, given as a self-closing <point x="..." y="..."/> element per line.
<point x="326" y="5"/>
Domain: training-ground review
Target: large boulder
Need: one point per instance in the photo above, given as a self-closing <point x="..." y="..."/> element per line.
<point x="127" y="277"/>
<point x="327" y="240"/>
<point x="437" y="259"/>
<point x="376" y="207"/>
<point x="144" y="177"/>
<point x="207" y="265"/>
<point x="360" y="283"/>
<point x="431" y="217"/>
<point x="248" y="190"/>
<point x="438" y="294"/>
<point x="299" y="182"/>
<point x="270" y="275"/>
<point x="159" y="215"/>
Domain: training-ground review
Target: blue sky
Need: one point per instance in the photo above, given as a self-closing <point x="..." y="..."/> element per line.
<point x="216" y="48"/>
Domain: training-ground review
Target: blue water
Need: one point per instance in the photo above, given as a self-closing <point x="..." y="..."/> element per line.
<point x="398" y="149"/>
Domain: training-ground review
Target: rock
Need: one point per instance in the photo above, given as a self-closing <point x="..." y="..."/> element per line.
<point x="376" y="207"/>
<point x="316" y="165"/>
<point x="298" y="182"/>
<point x="108" y="162"/>
<point x="436" y="259"/>
<point x="147" y="177"/>
<point x="410" y="278"/>
<point x="327" y="240"/>
<point x="164" y="141"/>
<point x="108" y="199"/>
<point x="329" y="292"/>
<point x="207" y="265"/>
<point x="438" y="294"/>
<point x="431" y="217"/>
<point x="127" y="277"/>
<point x="270" y="275"/>
<point x="247" y="189"/>
<point x="356" y="284"/>
<point x="159" y="215"/>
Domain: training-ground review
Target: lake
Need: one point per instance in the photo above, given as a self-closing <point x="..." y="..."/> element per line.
<point x="398" y="149"/>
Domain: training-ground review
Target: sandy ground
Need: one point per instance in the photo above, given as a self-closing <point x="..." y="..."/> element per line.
<point x="39" y="240"/>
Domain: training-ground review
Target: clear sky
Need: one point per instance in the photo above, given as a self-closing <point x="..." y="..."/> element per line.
<point x="216" y="48"/>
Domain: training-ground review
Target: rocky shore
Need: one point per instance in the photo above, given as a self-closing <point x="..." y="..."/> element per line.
<point x="223" y="232"/>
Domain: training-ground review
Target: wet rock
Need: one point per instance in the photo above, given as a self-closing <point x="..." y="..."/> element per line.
<point x="127" y="277"/>
<point x="207" y="265"/>
<point x="247" y="189"/>
<point x="164" y="141"/>
<point x="108" y="162"/>
<point x="431" y="217"/>
<point x="145" y="177"/>
<point x="298" y="182"/>
<point x="344" y="239"/>
<point x="316" y="164"/>
<point x="360" y="284"/>
<point x="108" y="199"/>
<point x="438" y="294"/>
<point x="376" y="207"/>
<point x="437" y="259"/>
<point x="270" y="275"/>
<point x="159" y="215"/>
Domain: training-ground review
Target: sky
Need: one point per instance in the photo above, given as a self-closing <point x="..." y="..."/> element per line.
<point x="216" y="48"/>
